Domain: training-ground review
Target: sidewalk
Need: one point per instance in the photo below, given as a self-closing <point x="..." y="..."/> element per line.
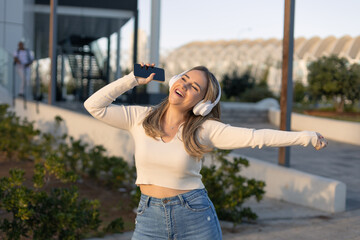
<point x="344" y="226"/>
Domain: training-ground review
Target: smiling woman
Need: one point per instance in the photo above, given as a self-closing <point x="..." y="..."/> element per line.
<point x="170" y="140"/>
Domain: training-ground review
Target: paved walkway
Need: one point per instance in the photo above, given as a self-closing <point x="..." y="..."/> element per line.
<point x="282" y="220"/>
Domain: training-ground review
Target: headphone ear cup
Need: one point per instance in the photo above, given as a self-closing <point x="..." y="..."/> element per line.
<point x="203" y="108"/>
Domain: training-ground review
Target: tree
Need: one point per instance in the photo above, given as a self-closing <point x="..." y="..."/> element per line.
<point x="336" y="79"/>
<point x="299" y="91"/>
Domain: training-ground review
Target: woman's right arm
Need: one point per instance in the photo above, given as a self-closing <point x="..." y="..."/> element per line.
<point x="123" y="117"/>
<point x="100" y="107"/>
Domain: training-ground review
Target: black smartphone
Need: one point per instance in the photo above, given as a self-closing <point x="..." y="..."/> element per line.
<point x="145" y="71"/>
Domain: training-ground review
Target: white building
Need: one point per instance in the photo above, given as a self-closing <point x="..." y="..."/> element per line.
<point x="224" y="57"/>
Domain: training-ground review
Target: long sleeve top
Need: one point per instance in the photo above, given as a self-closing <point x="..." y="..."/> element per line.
<point x="168" y="164"/>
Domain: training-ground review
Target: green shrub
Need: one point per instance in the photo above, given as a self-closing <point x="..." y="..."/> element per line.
<point x="39" y="215"/>
<point x="16" y="135"/>
<point x="61" y="213"/>
<point x="299" y="92"/>
<point x="234" y="85"/>
<point x="228" y="190"/>
<point x="335" y="79"/>
<point x="256" y="94"/>
<point x="245" y="88"/>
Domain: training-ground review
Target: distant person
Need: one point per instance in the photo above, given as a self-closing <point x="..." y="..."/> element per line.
<point x="170" y="141"/>
<point x="23" y="60"/>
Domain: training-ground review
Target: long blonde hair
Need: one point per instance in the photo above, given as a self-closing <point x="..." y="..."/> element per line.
<point x="192" y="124"/>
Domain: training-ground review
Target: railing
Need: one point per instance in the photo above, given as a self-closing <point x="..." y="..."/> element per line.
<point x="95" y="48"/>
<point x="101" y="59"/>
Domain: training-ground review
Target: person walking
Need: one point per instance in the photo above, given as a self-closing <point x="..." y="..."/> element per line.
<point x="23" y="60"/>
<point x="170" y="141"/>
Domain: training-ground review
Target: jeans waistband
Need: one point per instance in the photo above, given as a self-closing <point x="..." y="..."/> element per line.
<point x="178" y="199"/>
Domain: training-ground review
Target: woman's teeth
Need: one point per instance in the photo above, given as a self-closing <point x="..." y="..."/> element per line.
<point x="179" y="93"/>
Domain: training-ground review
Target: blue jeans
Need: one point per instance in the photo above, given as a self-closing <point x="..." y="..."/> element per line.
<point x="186" y="216"/>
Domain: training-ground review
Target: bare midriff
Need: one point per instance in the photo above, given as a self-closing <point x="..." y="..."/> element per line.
<point x="160" y="192"/>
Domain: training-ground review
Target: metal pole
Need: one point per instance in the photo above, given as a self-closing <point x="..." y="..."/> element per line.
<point x="63" y="87"/>
<point x="52" y="50"/>
<point x="154" y="87"/>
<point x="118" y="67"/>
<point x="108" y="60"/>
<point x="82" y="75"/>
<point x="286" y="82"/>
<point x="136" y="25"/>
<point x="89" y="78"/>
<point x="37" y="79"/>
<point x="25" y="87"/>
<point x="90" y="81"/>
<point x="13" y="85"/>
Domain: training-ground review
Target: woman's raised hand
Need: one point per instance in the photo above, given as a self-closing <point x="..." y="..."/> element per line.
<point x="321" y="142"/>
<point x="143" y="81"/>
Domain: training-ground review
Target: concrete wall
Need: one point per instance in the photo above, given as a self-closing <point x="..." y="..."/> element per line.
<point x="293" y="186"/>
<point x="80" y="126"/>
<point x="298" y="187"/>
<point x="342" y="131"/>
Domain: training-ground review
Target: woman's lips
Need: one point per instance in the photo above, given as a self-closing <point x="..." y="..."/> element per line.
<point x="179" y="93"/>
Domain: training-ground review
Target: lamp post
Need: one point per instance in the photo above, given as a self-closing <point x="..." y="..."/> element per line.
<point x="286" y="82"/>
<point x="52" y="50"/>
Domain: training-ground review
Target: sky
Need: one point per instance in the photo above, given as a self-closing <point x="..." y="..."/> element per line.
<point x="184" y="21"/>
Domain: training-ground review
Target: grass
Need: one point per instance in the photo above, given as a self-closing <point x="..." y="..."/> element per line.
<point x="349" y="114"/>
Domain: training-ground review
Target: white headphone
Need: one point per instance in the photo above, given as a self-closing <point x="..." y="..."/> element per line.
<point x="202" y="108"/>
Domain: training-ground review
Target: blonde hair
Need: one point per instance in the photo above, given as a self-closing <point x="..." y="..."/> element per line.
<point x="192" y="124"/>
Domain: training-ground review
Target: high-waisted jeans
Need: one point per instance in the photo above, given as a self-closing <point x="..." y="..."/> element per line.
<point x="186" y="216"/>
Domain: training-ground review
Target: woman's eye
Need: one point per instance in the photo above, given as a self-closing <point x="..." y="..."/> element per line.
<point x="195" y="88"/>
<point x="183" y="79"/>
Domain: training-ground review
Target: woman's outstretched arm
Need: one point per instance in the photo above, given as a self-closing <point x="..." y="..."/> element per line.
<point x="224" y="136"/>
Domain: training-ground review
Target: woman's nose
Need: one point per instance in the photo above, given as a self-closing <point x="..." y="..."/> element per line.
<point x="185" y="85"/>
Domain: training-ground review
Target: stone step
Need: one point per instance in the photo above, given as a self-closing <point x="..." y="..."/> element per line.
<point x="232" y="116"/>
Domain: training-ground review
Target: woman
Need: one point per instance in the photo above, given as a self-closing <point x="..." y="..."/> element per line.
<point x="170" y="140"/>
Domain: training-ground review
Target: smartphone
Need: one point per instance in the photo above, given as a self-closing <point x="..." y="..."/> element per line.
<point x="145" y="71"/>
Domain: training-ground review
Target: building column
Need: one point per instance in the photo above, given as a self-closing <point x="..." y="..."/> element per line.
<point x="154" y="87"/>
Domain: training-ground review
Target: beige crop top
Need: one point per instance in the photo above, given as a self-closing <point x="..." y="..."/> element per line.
<point x="168" y="164"/>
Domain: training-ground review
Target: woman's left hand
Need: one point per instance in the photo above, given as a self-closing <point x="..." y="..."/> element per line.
<point x="143" y="81"/>
<point x="321" y="142"/>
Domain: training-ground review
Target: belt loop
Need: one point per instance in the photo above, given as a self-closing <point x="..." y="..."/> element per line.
<point x="182" y="200"/>
<point x="147" y="202"/>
